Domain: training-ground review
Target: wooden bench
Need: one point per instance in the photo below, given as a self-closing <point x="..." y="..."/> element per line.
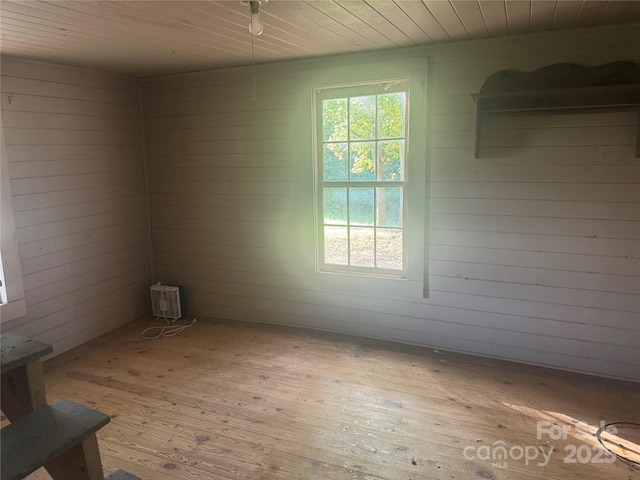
<point x="60" y="435"/>
<point x="22" y="381"/>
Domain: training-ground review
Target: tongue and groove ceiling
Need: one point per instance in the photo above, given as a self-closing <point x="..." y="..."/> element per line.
<point x="149" y="38"/>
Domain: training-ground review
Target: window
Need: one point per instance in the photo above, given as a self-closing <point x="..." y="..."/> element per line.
<point x="12" y="302"/>
<point x="3" y="290"/>
<point x="361" y="156"/>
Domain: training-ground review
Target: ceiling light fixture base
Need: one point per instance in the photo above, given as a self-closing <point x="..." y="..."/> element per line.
<point x="255" y="25"/>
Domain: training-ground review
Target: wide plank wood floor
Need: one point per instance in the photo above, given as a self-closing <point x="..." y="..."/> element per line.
<point x="231" y="400"/>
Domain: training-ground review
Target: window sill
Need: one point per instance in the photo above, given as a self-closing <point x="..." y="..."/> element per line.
<point x="377" y="285"/>
<point x="364" y="274"/>
<point x="13" y="310"/>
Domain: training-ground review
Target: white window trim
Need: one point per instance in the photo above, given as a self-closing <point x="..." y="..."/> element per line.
<point x="366" y="88"/>
<point x="415" y="70"/>
<point x="12" y="302"/>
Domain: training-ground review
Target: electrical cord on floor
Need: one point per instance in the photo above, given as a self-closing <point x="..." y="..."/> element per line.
<point x="603" y="428"/>
<point x="168" y="330"/>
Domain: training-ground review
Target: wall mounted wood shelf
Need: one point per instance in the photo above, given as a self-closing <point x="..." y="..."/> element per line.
<point x="559" y="88"/>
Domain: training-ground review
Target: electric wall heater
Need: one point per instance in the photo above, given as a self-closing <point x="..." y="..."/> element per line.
<point x="165" y="302"/>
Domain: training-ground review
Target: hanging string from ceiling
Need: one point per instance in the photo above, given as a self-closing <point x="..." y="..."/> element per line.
<point x="256" y="28"/>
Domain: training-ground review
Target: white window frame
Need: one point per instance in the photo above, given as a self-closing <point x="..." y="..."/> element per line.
<point x="12" y="302"/>
<point x="367" y="69"/>
<point x="392" y="85"/>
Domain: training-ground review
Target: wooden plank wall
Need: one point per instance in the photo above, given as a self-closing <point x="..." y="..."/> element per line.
<point x="533" y="251"/>
<point x="74" y="145"/>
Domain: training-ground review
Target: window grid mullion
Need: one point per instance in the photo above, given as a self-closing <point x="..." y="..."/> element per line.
<point x="385" y="183"/>
<point x="375" y="227"/>
<point x="376" y="168"/>
<point x="348" y="181"/>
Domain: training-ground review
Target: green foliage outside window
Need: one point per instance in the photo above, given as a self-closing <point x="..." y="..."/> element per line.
<point x="354" y="152"/>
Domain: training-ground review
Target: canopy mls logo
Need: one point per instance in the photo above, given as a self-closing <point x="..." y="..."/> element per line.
<point x="540" y="455"/>
<point x="499" y="452"/>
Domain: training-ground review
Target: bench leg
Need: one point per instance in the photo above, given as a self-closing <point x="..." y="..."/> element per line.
<point x="82" y="462"/>
<point x="23" y="390"/>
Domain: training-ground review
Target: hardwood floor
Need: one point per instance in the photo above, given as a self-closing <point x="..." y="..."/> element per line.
<point x="227" y="400"/>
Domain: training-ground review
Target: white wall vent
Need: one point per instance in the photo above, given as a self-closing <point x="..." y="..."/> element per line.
<point x="165" y="302"/>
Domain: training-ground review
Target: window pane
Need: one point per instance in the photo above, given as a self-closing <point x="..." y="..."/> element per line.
<point x="334" y="120"/>
<point x="361" y="178"/>
<point x="362" y="247"/>
<point x="389" y="206"/>
<point x="335" y="205"/>
<point x="336" y="245"/>
<point x="389" y="248"/>
<point x="391" y="160"/>
<point x="362" y="165"/>
<point x="362" y="117"/>
<point x="335" y="162"/>
<point x="361" y="206"/>
<point x="391" y="115"/>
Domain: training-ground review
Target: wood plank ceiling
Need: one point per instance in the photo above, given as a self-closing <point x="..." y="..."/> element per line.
<point x="150" y="38"/>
